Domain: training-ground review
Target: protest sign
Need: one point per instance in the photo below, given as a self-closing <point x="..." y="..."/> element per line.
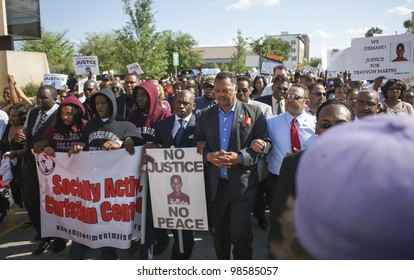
<point x="135" y="68"/>
<point x="58" y="81"/>
<point x="89" y="199"/>
<point x="388" y="56"/>
<point x="177" y="189"/>
<point x="86" y="64"/>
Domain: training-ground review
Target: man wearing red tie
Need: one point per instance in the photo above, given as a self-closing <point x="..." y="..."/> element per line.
<point x="290" y="132"/>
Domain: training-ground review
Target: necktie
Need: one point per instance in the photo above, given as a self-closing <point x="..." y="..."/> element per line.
<point x="41" y="120"/>
<point x="179" y="134"/>
<point x="279" y="108"/>
<point x="294" y="136"/>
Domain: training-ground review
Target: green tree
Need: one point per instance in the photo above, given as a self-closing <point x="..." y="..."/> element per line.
<point x="59" y="50"/>
<point x="225" y="67"/>
<point x="372" y="31"/>
<point x="183" y="44"/>
<point x="408" y="25"/>
<point x="272" y="45"/>
<point x="314" y="61"/>
<point x="106" y="47"/>
<point x="140" y="42"/>
<point x="213" y="65"/>
<point x="239" y="57"/>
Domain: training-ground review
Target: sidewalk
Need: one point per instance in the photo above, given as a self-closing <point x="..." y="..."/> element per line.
<point x="17" y="243"/>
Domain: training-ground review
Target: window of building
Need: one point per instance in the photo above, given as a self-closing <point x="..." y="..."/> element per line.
<point x="293" y="42"/>
<point x="294" y="58"/>
<point x="293" y="50"/>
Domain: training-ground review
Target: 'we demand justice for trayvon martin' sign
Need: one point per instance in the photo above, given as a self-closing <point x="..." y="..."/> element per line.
<point x="177" y="188"/>
<point x="94" y="198"/>
<point x="388" y="56"/>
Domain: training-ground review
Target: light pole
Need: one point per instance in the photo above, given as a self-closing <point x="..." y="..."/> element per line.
<point x="260" y="54"/>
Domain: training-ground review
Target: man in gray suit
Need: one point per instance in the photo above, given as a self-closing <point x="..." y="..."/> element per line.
<point x="232" y="137"/>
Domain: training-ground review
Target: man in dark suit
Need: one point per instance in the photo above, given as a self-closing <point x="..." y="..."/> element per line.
<point x="178" y="130"/>
<point x="232" y="137"/>
<point x="276" y="100"/>
<point x="330" y="113"/>
<point x="37" y="122"/>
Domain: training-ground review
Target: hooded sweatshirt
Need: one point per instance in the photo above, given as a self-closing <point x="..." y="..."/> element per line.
<point x="58" y="141"/>
<point x="146" y="122"/>
<point x="97" y="131"/>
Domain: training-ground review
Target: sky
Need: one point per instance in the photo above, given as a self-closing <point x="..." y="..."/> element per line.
<point x="331" y="24"/>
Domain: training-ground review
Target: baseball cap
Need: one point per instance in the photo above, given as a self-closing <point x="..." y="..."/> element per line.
<point x="355" y="191"/>
<point x="106" y="77"/>
<point x="209" y="80"/>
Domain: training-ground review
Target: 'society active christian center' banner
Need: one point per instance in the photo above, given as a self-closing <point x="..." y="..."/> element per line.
<point x="93" y="198"/>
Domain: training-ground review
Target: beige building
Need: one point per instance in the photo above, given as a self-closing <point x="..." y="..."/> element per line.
<point x="216" y="55"/>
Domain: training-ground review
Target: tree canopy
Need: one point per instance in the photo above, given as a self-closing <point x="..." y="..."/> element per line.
<point x="59" y="50"/>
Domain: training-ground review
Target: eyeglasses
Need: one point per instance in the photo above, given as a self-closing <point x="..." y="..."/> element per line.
<point x="293" y="96"/>
<point x="244" y="90"/>
<point x="324" y="125"/>
<point x="369" y="104"/>
<point x="282" y="88"/>
<point x="319" y="93"/>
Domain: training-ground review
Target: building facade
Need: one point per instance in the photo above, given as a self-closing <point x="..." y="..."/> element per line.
<point x="300" y="44"/>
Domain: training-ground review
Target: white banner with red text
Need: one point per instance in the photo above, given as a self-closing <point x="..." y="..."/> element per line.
<point x="93" y="198"/>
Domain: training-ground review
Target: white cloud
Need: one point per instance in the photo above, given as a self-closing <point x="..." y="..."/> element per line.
<point x="360" y="30"/>
<point x="400" y="10"/>
<point x="246" y="4"/>
<point x="410" y="1"/>
<point x="321" y="34"/>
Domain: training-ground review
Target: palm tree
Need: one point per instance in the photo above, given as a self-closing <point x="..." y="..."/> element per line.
<point x="408" y="25"/>
<point x="372" y="31"/>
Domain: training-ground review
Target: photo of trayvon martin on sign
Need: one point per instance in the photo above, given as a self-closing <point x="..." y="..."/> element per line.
<point x="93" y="198"/>
<point x="178" y="196"/>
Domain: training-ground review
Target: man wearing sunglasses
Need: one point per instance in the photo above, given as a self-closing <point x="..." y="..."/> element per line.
<point x="317" y="95"/>
<point x="276" y="100"/>
<point x="207" y="99"/>
<point x="290" y="132"/>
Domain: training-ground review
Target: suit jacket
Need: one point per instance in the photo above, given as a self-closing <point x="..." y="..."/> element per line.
<point x="285" y="188"/>
<point x="267" y="99"/>
<point x="241" y="177"/>
<point x="31" y="139"/>
<point x="164" y="137"/>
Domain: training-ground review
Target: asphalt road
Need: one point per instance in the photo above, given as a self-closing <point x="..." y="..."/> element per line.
<point x="17" y="243"/>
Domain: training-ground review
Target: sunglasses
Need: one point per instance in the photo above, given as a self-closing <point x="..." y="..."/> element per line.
<point x="282" y="88"/>
<point x="293" y="96"/>
<point x="244" y="90"/>
<point x="319" y="93"/>
<point x="208" y="86"/>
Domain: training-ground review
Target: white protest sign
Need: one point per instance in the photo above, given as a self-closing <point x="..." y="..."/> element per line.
<point x="338" y="60"/>
<point x="378" y="56"/>
<point x="89" y="199"/>
<point x="135" y="68"/>
<point x="177" y="189"/>
<point x="81" y="83"/>
<point x="58" y="81"/>
<point x="252" y="61"/>
<point x="267" y="67"/>
<point x="86" y="64"/>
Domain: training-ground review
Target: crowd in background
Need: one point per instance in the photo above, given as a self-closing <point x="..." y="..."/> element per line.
<point x="286" y="113"/>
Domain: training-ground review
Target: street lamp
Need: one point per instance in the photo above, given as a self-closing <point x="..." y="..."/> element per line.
<point x="260" y="54"/>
